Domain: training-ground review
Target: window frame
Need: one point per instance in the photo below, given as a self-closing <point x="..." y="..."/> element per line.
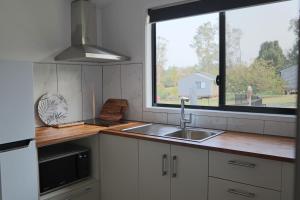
<point x="188" y="9"/>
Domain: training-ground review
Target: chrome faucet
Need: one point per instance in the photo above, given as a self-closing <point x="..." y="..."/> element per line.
<point x="183" y="119"/>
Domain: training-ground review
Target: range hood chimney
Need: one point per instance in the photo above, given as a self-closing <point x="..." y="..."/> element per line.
<point x="84" y="37"/>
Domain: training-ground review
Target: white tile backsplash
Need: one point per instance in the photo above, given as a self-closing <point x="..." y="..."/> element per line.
<point x="75" y="82"/>
<point x="155" y="117"/>
<point x="209" y="122"/>
<point x="174" y="119"/>
<point x="111" y="82"/>
<point x="91" y="91"/>
<point x="280" y="128"/>
<point x="69" y="85"/>
<point x="132" y="90"/>
<point x="245" y="125"/>
<point x="44" y="81"/>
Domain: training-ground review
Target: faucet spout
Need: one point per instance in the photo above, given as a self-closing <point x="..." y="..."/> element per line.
<point x="183" y="119"/>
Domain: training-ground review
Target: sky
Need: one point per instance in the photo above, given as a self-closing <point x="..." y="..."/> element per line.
<point x="258" y="24"/>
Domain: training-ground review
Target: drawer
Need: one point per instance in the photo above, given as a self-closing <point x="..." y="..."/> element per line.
<point x="228" y="190"/>
<point x="244" y="169"/>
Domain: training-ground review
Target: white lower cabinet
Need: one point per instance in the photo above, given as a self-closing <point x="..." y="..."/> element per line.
<point x="170" y="172"/>
<point x="154" y="170"/>
<point x="227" y="190"/>
<point x="191" y="173"/>
<point x="119" y="168"/>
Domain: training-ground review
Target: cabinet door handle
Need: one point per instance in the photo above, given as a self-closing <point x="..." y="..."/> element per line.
<point x="241" y="163"/>
<point x="174" y="166"/>
<point x="164" y="169"/>
<point x="241" y="193"/>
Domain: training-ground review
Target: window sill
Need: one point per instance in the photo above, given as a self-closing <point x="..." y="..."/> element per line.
<point x="227" y="114"/>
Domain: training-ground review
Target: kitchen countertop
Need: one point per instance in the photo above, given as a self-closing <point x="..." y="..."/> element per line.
<point x="248" y="144"/>
<point x="47" y="135"/>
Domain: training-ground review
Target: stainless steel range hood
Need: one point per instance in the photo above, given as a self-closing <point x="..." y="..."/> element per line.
<point x="84" y="37"/>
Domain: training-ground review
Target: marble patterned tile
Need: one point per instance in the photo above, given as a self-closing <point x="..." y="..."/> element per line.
<point x="44" y="81"/>
<point x="155" y="117"/>
<point x="91" y="91"/>
<point x="280" y="128"/>
<point x="132" y="90"/>
<point x="111" y="82"/>
<point x="245" y="125"/>
<point x="69" y="85"/>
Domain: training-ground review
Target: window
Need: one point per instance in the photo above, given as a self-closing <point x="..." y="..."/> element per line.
<point x="242" y="59"/>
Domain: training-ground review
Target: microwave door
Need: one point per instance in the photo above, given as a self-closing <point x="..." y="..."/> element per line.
<point x="19" y="172"/>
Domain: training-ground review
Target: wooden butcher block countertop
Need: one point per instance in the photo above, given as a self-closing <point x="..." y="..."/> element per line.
<point x="47" y="135"/>
<point x="248" y="144"/>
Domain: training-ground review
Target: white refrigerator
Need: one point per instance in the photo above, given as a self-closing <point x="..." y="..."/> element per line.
<point x="18" y="153"/>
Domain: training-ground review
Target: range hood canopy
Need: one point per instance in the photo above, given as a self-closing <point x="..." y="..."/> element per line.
<point x="84" y="37"/>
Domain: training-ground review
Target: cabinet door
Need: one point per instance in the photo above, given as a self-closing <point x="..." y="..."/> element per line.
<point x="19" y="174"/>
<point x="189" y="173"/>
<point x="288" y="182"/>
<point x="154" y="173"/>
<point x="119" y="168"/>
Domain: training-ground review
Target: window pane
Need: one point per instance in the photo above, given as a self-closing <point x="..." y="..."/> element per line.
<point x="261" y="55"/>
<point x="187" y="60"/>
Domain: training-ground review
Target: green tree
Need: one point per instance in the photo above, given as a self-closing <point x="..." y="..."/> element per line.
<point x="294" y="51"/>
<point x="260" y="75"/>
<point x="161" y="49"/>
<point x="206" y="44"/>
<point x="233" y="46"/>
<point x="272" y="53"/>
<point x="170" y="77"/>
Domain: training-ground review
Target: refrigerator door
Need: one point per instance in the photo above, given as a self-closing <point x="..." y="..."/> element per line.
<point x="16" y="101"/>
<point x="19" y="173"/>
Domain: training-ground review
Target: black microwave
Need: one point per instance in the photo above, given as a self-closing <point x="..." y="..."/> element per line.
<point x="61" y="165"/>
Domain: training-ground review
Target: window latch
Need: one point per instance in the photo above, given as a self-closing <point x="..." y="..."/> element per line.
<point x="218" y="80"/>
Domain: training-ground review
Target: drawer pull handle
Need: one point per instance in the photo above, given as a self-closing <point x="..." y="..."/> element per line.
<point x="174" y="167"/>
<point x="241" y="193"/>
<point x="164" y="165"/>
<point x="241" y="163"/>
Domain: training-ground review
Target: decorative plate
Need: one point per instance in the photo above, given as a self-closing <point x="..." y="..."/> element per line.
<point x="52" y="109"/>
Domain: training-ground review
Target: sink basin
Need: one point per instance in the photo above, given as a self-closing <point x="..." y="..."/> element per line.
<point x="162" y="130"/>
<point x="153" y="129"/>
<point x="194" y="134"/>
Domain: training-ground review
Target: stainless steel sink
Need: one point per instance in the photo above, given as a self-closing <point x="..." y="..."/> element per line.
<point x="153" y="129"/>
<point x="194" y="134"/>
<point x="162" y="130"/>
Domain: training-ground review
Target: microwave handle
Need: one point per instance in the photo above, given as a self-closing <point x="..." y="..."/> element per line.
<point x="83" y="165"/>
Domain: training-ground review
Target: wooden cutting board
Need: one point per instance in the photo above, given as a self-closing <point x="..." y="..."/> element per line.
<point x="114" y="109"/>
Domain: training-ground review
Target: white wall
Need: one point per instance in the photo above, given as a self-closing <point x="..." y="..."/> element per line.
<point x="124" y="30"/>
<point x="35" y="30"/>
